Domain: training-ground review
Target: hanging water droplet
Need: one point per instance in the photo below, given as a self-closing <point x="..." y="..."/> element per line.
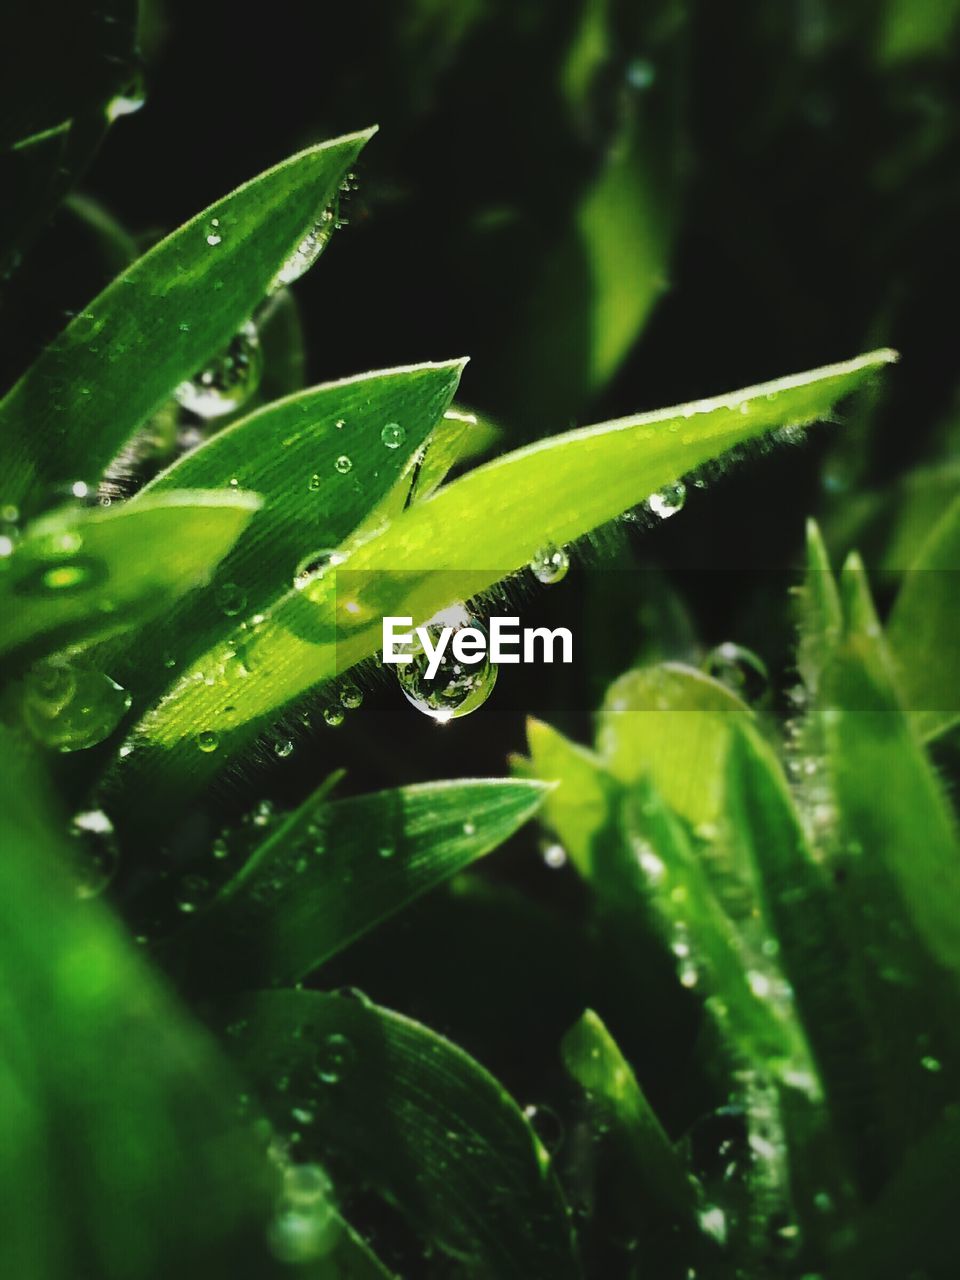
<point x="457" y="688"/>
<point x="350" y="697"/>
<point x="71" y="708"/>
<point x="343" y="464"/>
<point x="308" y="250"/>
<point x="231" y="600"/>
<point x="333" y="716"/>
<point x="228" y="381"/>
<point x="550" y="565"/>
<point x="739" y="669"/>
<point x="334" y="1057"/>
<point x="207" y="740"/>
<point x="95" y="855"/>
<point x="282" y="748"/>
<point x="393" y="435"/>
<point x="669" y="500"/>
<point x="312" y="567"/>
<point x="306" y="1183"/>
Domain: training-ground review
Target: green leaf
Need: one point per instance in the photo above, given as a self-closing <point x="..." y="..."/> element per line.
<point x="656" y="1183"/>
<point x="79" y="574"/>
<point x="821" y="615"/>
<point x="468" y="536"/>
<point x="673" y="723"/>
<point x="913" y="29"/>
<point x="813" y="950"/>
<point x="924" y="626"/>
<point x="418" y="1119"/>
<point x="159" y="322"/>
<point x="120" y="1153"/>
<point x="288" y="450"/>
<point x="577" y="808"/>
<point x="332" y="871"/>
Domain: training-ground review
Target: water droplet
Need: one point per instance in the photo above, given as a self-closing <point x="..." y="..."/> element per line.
<point x="207" y="740"/>
<point x="314" y="566"/>
<point x="71" y="708"/>
<point x="343" y="464"/>
<point x="95" y="855"/>
<point x="333" y="716"/>
<point x="220" y="849"/>
<point x="191" y="893"/>
<point x="214" y="233"/>
<point x="307" y="251"/>
<point x="457" y="688"/>
<point x="469" y="828"/>
<point x="550" y="565"/>
<point x="282" y="748"/>
<point x="306" y="1183"/>
<point x="231" y="600"/>
<point x="386" y="851"/>
<point x="931" y="1064"/>
<point x="62" y="576"/>
<point x="334" y="1057"/>
<point x="739" y="669"/>
<point x="314" y="482"/>
<point x="228" y="381"/>
<point x="350" y="697"/>
<point x="641" y="73"/>
<point x="669" y="500"/>
<point x="555" y="856"/>
<point x="393" y="435"/>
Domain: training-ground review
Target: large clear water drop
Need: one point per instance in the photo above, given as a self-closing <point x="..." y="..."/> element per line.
<point x="457" y="688"/>
<point x="228" y="381"/>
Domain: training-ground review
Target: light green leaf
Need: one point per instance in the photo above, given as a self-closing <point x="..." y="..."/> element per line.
<point x="578" y="808"/>
<point x="468" y="536"/>
<point x="79" y="574"/>
<point x="672" y="723"/>
<point x="415" y="1117"/>
<point x="159" y="322"/>
<point x="331" y="871"/>
<point x="924" y="627"/>
<point x="289" y="451"/>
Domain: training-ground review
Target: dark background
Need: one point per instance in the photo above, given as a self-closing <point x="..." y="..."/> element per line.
<point x="815" y="202"/>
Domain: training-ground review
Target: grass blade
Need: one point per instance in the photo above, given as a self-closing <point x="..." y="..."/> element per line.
<point x="118" y="360"/>
<point x="81" y="573"/>
<point x="332" y="871"/>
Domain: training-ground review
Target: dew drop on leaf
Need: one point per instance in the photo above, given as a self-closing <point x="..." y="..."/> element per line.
<point x="71" y="708"/>
<point x="739" y="669"/>
<point x="282" y="748"/>
<point x="457" y="688"/>
<point x="392" y="435"/>
<point x="350" y="697"/>
<point x="669" y="500"/>
<point x="550" y="565"/>
<point x="228" y="381"/>
<point x="207" y="740"/>
<point x="343" y="464"/>
<point x="333" y="716"/>
<point x="314" y="483"/>
<point x="214" y="234"/>
<point x="307" y="251"/>
<point x="231" y="600"/>
<point x="334" y="1058"/>
<point x="95" y="855"/>
<point x="314" y="566"/>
